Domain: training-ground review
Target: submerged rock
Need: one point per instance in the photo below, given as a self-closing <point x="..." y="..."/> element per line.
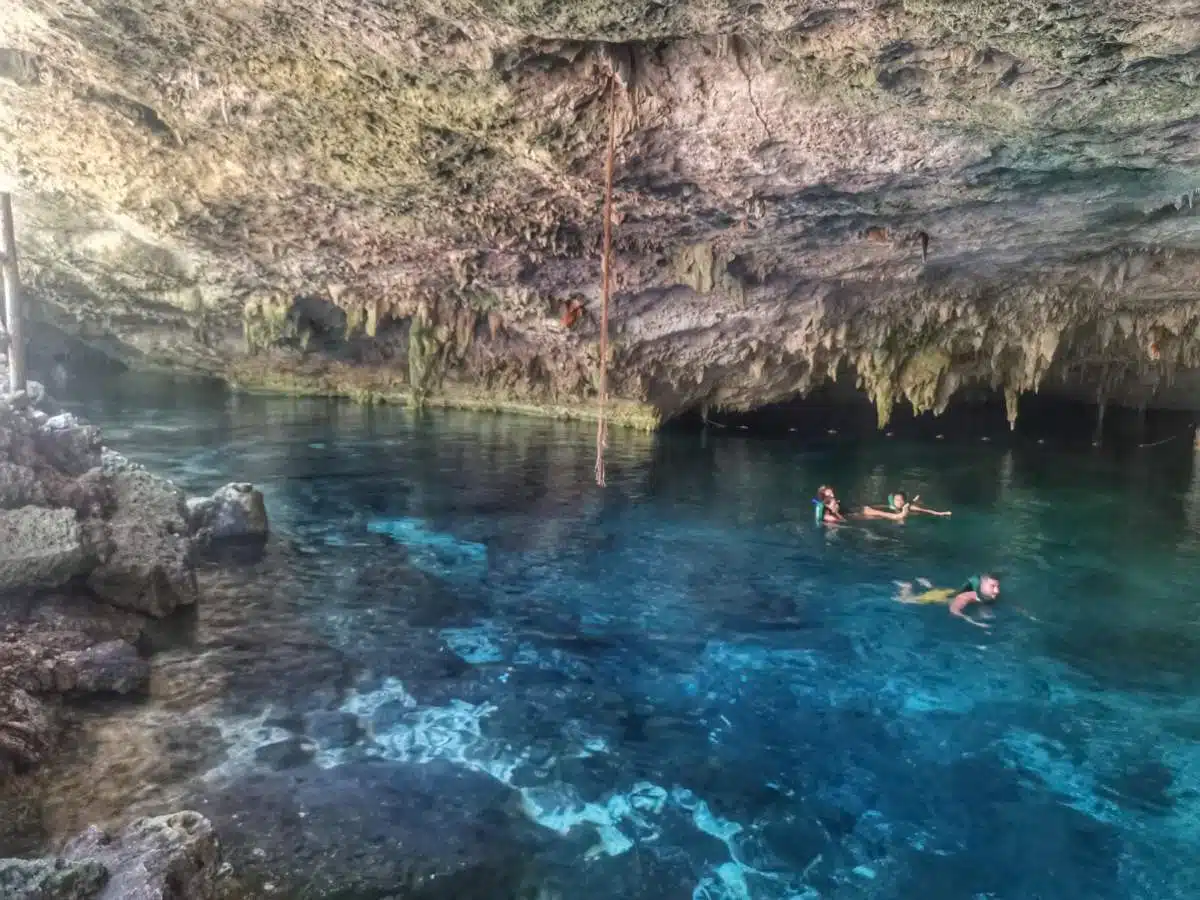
<point x="150" y="567"/>
<point x="41" y="548"/>
<point x="333" y="729"/>
<point x="51" y="879"/>
<point x="28" y="729"/>
<point x="372" y="829"/>
<point x="234" y="512"/>
<point x="290" y="753"/>
<point x="112" y="667"/>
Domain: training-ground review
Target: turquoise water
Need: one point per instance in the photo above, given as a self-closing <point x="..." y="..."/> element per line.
<point x="693" y="691"/>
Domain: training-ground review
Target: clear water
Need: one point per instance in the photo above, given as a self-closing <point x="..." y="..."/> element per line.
<point x="696" y="692"/>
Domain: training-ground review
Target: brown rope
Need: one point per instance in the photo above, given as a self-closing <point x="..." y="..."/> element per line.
<point x="606" y="273"/>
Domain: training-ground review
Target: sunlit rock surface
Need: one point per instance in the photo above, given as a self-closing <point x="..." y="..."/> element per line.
<point x="403" y="200"/>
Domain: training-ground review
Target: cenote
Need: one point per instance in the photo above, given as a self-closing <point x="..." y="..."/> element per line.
<point x="458" y="649"/>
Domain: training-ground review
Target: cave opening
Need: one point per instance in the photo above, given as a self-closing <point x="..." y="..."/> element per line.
<point x="832" y="413"/>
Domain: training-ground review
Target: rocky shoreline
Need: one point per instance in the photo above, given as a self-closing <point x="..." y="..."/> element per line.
<point x="93" y="550"/>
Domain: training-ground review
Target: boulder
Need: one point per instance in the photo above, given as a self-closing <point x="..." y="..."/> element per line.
<point x="51" y="879"/>
<point x="27" y="729"/>
<point x="173" y="857"/>
<point x="41" y="548"/>
<point x="149" y="565"/>
<point x="234" y="512"/>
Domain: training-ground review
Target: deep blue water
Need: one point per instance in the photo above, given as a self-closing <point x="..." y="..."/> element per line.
<point x="706" y="696"/>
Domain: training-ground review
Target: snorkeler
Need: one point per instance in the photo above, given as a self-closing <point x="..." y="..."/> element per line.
<point x="982" y="589"/>
<point x="827" y="509"/>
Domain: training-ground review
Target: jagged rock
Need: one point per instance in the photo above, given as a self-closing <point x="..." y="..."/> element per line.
<point x="51" y="879"/>
<point x="234" y="512"/>
<point x="175" y="857"/>
<point x="41" y="548"/>
<point x="149" y="568"/>
<point x="27" y="729"/>
<point x="90" y="495"/>
<point x="69" y="446"/>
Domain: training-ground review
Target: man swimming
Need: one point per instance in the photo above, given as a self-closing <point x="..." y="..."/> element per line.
<point x="898" y="507"/>
<point x="827" y="509"/>
<point x="979" y="589"/>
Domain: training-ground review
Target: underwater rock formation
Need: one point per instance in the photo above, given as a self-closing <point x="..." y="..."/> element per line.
<point x="397" y="201"/>
<point x="374" y="829"/>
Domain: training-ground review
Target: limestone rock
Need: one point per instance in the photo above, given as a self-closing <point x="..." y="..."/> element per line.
<point x="40" y="548"/>
<point x="149" y="568"/>
<point x="173" y="857"/>
<point x="234" y="512"/>
<point x="51" y="879"/>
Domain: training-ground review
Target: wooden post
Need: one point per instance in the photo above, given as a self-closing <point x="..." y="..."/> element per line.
<point x="13" y="314"/>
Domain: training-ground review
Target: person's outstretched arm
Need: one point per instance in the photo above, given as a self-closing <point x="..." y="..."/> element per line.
<point x="959" y="606"/>
<point x="932" y="512"/>
<point x="922" y="509"/>
<point x="874" y="512"/>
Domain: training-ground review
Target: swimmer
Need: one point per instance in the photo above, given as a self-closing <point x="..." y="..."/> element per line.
<point x="898" y="506"/>
<point x="827" y="509"/>
<point x="897" y="509"/>
<point x="982" y="589"/>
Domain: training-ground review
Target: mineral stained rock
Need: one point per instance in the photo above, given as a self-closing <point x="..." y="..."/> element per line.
<point x="173" y="857"/>
<point x="403" y="200"/>
<point x="51" y="879"/>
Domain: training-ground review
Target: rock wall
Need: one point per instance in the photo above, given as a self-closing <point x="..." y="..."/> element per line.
<point x="402" y="201"/>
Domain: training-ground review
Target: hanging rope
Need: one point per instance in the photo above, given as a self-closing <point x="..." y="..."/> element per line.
<point x="606" y="272"/>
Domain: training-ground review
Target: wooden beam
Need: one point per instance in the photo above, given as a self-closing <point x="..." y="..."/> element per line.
<point x="13" y="314"/>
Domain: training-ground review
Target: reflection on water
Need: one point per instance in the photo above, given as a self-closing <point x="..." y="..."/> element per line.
<point x="692" y="691"/>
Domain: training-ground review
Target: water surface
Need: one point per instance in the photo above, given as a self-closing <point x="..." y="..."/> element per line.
<point x="694" y="691"/>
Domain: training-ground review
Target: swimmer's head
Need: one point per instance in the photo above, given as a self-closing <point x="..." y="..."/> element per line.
<point x="899" y="499"/>
<point x="989" y="587"/>
<point x="825" y="494"/>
